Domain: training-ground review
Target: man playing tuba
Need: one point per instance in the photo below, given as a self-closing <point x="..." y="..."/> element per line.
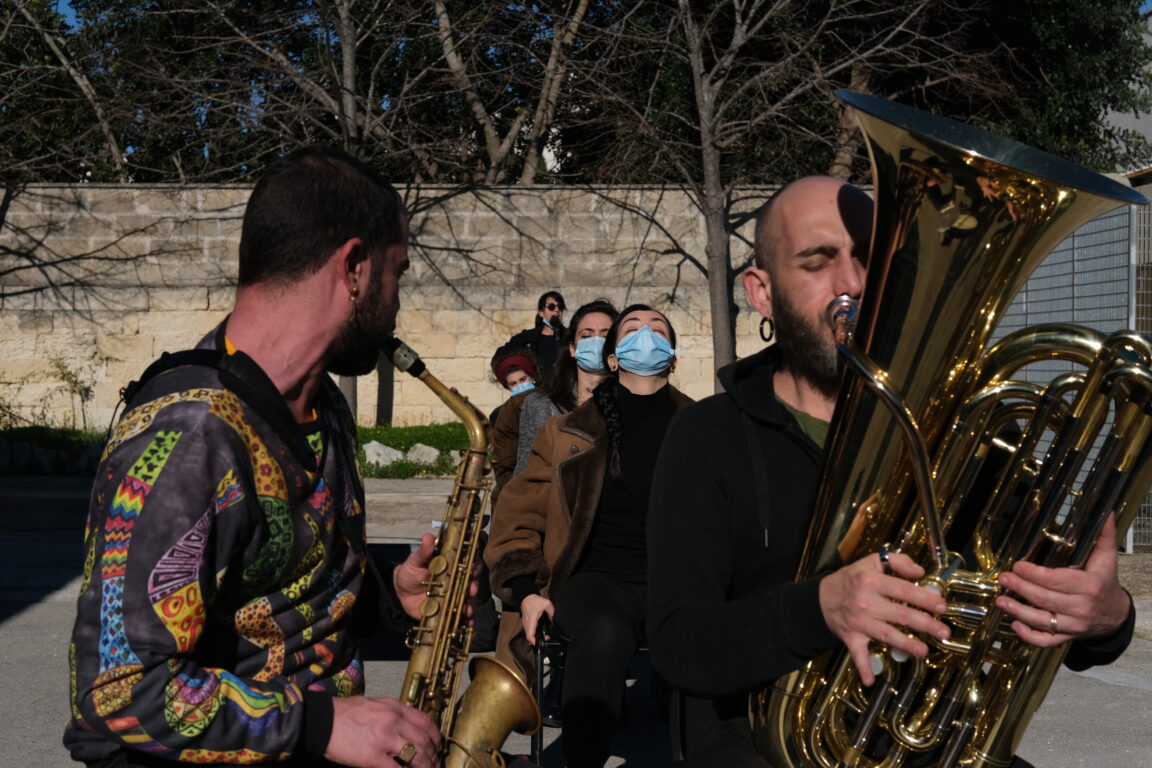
<point x="726" y="523"/>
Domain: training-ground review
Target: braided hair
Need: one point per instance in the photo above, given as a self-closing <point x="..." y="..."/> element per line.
<point x="604" y="395"/>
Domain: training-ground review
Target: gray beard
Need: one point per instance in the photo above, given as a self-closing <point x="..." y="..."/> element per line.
<point x="806" y="350"/>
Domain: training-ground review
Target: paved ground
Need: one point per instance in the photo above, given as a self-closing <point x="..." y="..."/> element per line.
<point x="1098" y="718"/>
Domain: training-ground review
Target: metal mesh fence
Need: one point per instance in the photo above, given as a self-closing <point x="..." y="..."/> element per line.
<point x="1140" y="534"/>
<point x="1092" y="279"/>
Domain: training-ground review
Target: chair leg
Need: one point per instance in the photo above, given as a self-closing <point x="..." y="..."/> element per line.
<point x="547" y="696"/>
<point x="551" y="695"/>
<point x="538" y="737"/>
<point x="677" y="710"/>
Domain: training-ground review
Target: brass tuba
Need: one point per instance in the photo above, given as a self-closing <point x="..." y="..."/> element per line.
<point x="496" y="701"/>
<point x="962" y="219"/>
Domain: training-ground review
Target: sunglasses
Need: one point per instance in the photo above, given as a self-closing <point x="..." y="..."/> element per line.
<point x="554" y="307"/>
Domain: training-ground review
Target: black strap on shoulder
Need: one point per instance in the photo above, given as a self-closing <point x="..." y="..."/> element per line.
<point x="242" y="376"/>
<point x="210" y="358"/>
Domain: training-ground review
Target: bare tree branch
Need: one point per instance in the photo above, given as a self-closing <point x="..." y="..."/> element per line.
<point x="56" y="45"/>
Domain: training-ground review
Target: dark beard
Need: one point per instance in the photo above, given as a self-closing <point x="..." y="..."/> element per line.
<point x="357" y="346"/>
<point x="806" y="350"/>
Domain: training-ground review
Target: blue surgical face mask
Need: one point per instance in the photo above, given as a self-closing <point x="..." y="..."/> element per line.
<point x="590" y="354"/>
<point x="644" y="353"/>
<point x="522" y="387"/>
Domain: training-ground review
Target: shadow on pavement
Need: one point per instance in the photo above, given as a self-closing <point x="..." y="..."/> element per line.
<point x="41" y="537"/>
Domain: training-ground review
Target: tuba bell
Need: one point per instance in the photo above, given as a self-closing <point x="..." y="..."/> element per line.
<point x="928" y="413"/>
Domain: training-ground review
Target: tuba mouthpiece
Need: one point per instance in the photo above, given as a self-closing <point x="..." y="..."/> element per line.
<point x="841" y="317"/>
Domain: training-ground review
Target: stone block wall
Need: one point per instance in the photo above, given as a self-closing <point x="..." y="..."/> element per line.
<point x="96" y="281"/>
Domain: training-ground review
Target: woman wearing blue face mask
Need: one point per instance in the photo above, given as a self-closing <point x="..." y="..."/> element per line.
<point x="568" y="537"/>
<point x="514" y="368"/>
<point x="576" y="373"/>
<point x="569" y="384"/>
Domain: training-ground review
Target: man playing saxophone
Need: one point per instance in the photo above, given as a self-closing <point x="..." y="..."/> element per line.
<point x="727" y="521"/>
<point x="227" y="583"/>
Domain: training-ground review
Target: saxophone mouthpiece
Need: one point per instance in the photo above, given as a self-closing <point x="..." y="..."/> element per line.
<point x="403" y="356"/>
<point x="841" y="316"/>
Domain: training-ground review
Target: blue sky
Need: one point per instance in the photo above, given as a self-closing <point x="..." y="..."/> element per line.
<point x="65" y="7"/>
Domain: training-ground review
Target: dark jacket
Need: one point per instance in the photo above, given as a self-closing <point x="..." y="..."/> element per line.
<point x="544" y="347"/>
<point x="545" y="513"/>
<point x="724" y="615"/>
<point x="725" y="618"/>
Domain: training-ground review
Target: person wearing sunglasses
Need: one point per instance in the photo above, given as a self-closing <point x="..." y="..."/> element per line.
<point x="544" y="339"/>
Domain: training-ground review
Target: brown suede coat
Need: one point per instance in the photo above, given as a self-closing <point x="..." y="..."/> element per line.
<point x="544" y="516"/>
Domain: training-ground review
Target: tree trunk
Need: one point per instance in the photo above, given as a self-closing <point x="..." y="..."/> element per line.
<point x="719" y="288"/>
<point x="56" y="45"/>
<point x="349" y="119"/>
<point x="348" y="388"/>
<point x="713" y="198"/>
<point x="554" y="74"/>
<point x="847" y="137"/>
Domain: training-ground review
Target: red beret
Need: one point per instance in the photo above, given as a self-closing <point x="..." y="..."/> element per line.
<point x="514" y="361"/>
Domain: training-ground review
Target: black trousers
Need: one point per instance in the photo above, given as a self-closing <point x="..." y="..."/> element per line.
<point x="603" y="618"/>
<point x="141" y="760"/>
<point x="133" y="759"/>
<point x="729" y="746"/>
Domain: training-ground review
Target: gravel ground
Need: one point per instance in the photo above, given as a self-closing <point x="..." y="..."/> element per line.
<point x="1136" y="574"/>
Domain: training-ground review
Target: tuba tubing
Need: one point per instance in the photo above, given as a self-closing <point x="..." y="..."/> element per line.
<point x="962" y="218"/>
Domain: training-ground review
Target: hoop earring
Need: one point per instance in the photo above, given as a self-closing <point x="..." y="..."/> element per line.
<point x="771" y="329"/>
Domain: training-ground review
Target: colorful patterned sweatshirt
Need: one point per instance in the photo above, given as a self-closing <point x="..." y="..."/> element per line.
<point x="219" y="610"/>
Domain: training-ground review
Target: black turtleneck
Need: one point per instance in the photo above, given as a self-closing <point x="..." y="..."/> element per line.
<point x="617" y="542"/>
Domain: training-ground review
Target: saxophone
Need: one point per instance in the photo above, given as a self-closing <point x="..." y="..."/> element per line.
<point x="496" y="702"/>
<point x="962" y="219"/>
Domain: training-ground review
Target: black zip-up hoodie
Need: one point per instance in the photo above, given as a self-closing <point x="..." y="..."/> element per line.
<point x="725" y="617"/>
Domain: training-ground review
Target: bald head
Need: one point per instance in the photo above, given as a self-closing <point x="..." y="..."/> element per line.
<point x="803" y="198"/>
